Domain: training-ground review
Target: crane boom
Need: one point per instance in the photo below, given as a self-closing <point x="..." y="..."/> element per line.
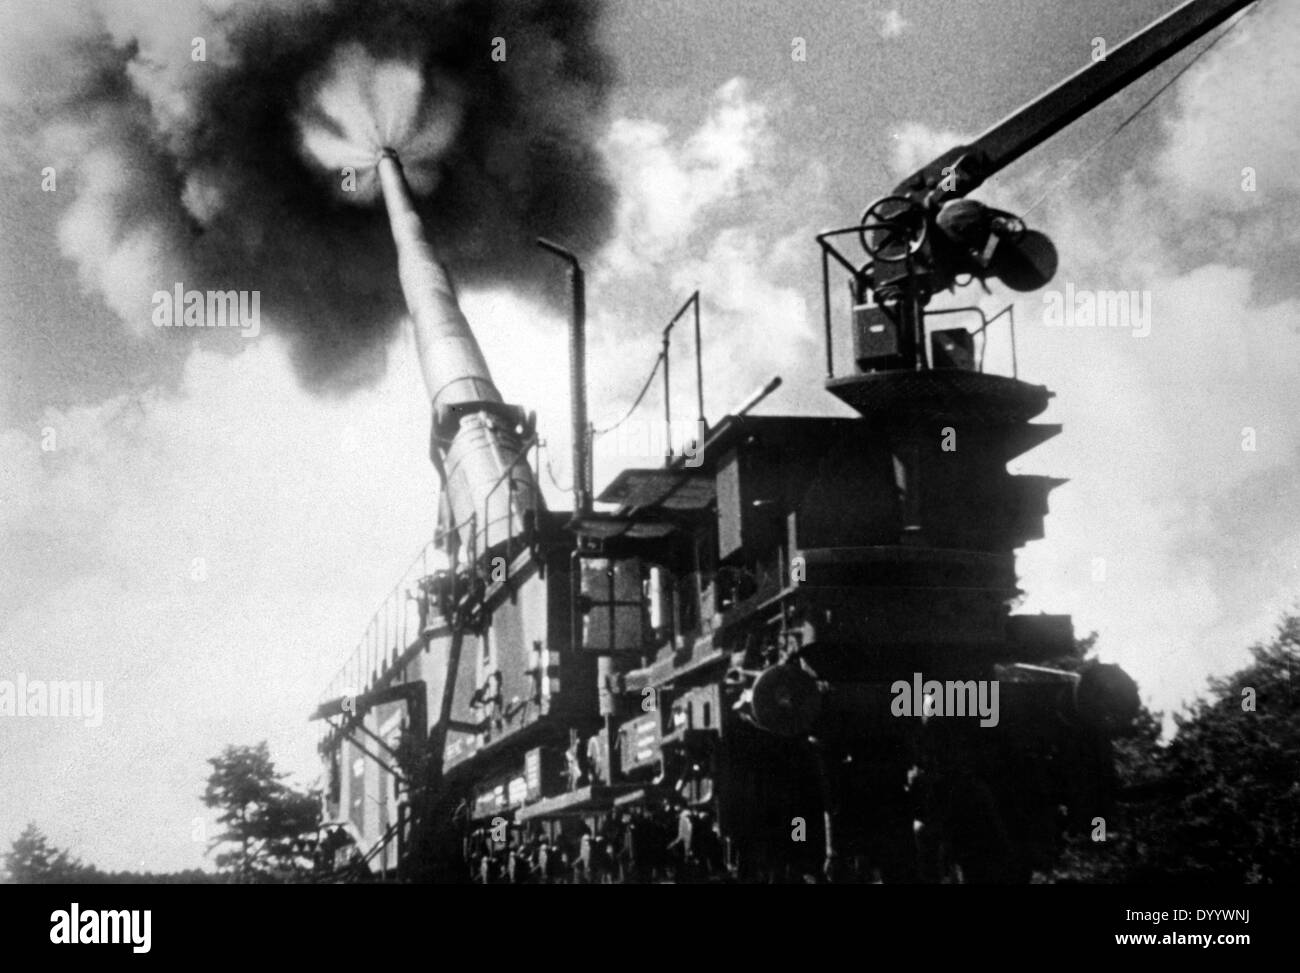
<point x="1040" y="119"/>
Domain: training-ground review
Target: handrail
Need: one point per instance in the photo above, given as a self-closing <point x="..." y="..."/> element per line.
<point x="506" y="477"/>
<point x="985" y="321"/>
<point x="359" y="658"/>
<point x="828" y="250"/>
<point x="367" y="660"/>
<point x="692" y="301"/>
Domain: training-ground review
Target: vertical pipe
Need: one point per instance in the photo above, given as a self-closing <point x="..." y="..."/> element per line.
<point x="826" y="310"/>
<point x="590" y="452"/>
<point x="692" y="301"/>
<point x="699" y="363"/>
<point x="578" y="388"/>
<point x="668" y="402"/>
<point x="577" y="376"/>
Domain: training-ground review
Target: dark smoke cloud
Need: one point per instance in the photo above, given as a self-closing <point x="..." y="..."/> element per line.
<point x="192" y="171"/>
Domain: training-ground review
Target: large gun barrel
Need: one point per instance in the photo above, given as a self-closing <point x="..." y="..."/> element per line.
<point x="477" y="438"/>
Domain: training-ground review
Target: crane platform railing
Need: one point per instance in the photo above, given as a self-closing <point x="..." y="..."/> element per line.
<point x="859" y="278"/>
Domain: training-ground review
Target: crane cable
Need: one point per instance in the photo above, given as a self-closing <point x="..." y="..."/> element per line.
<point x="550" y="473"/>
<point x="635" y="405"/>
<point x="1069" y="174"/>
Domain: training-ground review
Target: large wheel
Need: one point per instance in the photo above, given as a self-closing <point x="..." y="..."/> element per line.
<point x="893" y="227"/>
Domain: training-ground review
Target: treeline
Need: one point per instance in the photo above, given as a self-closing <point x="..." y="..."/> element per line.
<point x="272" y="834"/>
<point x="1220" y="803"/>
<point x="32" y="860"/>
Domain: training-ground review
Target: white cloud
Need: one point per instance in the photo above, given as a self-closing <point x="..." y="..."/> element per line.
<point x="1238" y="110"/>
<point x="669" y="186"/>
<point x="702" y="209"/>
<point x="304" y="512"/>
<point x="892" y="23"/>
<point x="1160" y="486"/>
<point x="699" y="209"/>
<point x="917" y="144"/>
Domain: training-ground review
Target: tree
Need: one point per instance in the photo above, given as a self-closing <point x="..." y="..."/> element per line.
<point x="32" y="860"/>
<point x="271" y="829"/>
<point x="1237" y="816"/>
<point x="1220" y="804"/>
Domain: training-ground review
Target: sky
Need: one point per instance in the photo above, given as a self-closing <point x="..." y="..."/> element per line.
<point x="207" y="537"/>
